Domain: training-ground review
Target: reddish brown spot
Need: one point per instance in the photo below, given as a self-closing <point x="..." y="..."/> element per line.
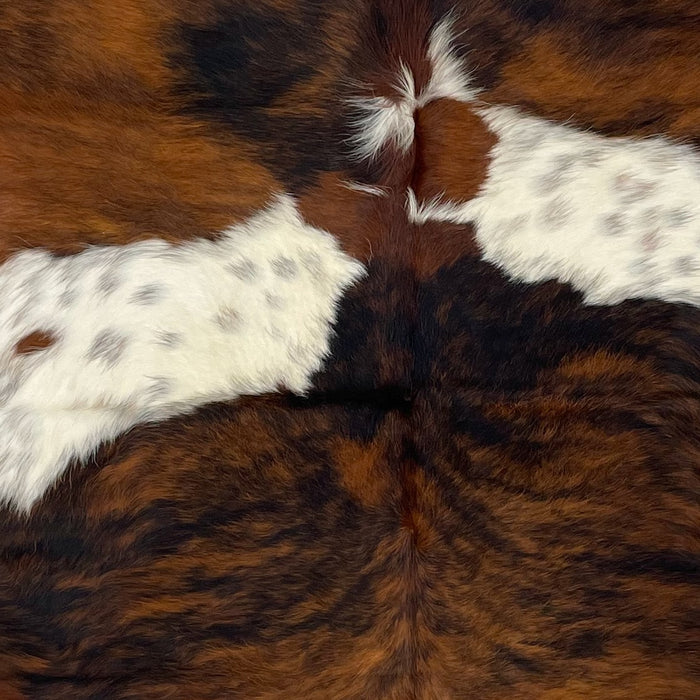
<point x="38" y="340"/>
<point x="453" y="145"/>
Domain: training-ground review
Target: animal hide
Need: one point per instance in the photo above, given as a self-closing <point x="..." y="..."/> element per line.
<point x="349" y="349"/>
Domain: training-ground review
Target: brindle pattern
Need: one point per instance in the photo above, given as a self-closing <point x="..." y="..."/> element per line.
<point x="492" y="490"/>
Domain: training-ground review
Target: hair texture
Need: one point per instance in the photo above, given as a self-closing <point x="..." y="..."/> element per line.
<point x="349" y="350"/>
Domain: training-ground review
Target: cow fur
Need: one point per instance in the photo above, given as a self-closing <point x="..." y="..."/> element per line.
<point x="443" y="442"/>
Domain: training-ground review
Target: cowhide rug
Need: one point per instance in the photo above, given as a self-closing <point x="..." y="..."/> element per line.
<point x="349" y="349"/>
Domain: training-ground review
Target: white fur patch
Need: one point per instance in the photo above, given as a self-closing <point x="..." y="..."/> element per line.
<point x="150" y="330"/>
<point x="365" y="189"/>
<point x="382" y="120"/>
<point x="618" y="218"/>
<point x="449" y="79"/>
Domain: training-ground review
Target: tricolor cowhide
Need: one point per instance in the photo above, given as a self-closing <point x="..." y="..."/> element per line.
<point x="349" y="349"/>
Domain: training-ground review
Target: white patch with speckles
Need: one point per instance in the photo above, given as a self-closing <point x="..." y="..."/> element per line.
<point x="150" y="330"/>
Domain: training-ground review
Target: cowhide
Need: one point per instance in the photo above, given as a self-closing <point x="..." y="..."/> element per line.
<point x="350" y="349"/>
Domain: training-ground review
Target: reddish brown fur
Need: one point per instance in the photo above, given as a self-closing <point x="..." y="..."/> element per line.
<point x="105" y="174"/>
<point x="348" y="214"/>
<point x="39" y="340"/>
<point x="454" y="146"/>
<point x="93" y="151"/>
